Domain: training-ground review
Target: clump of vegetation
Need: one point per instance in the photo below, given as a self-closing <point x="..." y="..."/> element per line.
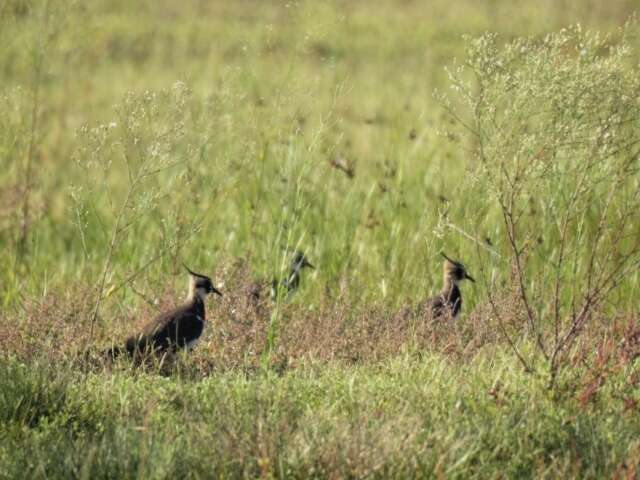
<point x="553" y="125"/>
<point x="398" y="418"/>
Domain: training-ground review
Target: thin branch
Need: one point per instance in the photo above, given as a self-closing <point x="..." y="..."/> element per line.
<point x="480" y="243"/>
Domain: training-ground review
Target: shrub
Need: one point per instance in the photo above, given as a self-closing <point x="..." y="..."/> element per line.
<point x="553" y="127"/>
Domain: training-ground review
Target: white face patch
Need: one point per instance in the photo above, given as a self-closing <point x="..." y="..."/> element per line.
<point x="202" y="293"/>
<point x="199" y="287"/>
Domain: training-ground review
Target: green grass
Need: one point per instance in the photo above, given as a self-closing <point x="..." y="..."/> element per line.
<point x="135" y="137"/>
<point x="411" y="416"/>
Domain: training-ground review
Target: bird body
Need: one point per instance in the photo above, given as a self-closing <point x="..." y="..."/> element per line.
<point x="179" y="328"/>
<point x="176" y="329"/>
<point x="292" y="281"/>
<point x="288" y="285"/>
<point x="448" y="302"/>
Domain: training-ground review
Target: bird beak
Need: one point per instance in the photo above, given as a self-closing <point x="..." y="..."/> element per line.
<point x="469" y="277"/>
<point x="307" y="264"/>
<point x="216" y="291"/>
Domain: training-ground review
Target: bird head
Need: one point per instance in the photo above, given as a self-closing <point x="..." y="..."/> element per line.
<point x="200" y="285"/>
<point x="300" y="261"/>
<point x="455" y="271"/>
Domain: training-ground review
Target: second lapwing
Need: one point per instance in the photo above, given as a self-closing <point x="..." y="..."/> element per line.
<point x="291" y="283"/>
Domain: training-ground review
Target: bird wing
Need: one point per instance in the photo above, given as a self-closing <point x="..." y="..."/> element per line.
<point x="169" y="330"/>
<point x="436" y="307"/>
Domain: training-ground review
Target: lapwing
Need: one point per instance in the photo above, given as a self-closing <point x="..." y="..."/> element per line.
<point x="176" y="329"/>
<point x="292" y="281"/>
<point x="289" y="284"/>
<point x="449" y="301"/>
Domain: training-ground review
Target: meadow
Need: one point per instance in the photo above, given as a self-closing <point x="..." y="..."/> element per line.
<point x="227" y="135"/>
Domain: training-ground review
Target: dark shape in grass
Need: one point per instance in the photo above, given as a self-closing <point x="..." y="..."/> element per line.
<point x="255" y="290"/>
<point x="292" y="281"/>
<point x="449" y="301"/>
<point x="176" y="329"/>
<point x="344" y="166"/>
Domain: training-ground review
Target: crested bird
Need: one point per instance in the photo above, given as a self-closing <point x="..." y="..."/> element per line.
<point x="449" y="301"/>
<point x="292" y="281"/>
<point x="288" y="284"/>
<point x="176" y="329"/>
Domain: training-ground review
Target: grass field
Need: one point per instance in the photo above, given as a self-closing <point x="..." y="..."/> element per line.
<point x="228" y="134"/>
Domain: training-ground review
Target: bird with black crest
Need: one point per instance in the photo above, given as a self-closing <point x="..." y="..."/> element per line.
<point x="448" y="303"/>
<point x="177" y="329"/>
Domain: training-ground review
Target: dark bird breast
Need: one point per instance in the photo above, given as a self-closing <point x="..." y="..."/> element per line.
<point x="292" y="282"/>
<point x="444" y="304"/>
<point x="289" y="284"/>
<point x="171" y="330"/>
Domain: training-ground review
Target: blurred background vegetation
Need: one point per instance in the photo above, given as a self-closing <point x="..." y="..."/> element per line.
<point x="277" y="97"/>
